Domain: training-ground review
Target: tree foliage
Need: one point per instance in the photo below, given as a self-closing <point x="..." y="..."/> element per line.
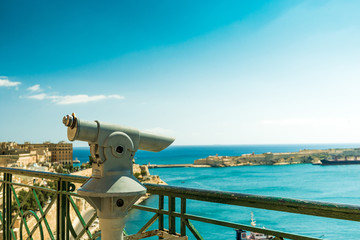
<point x="30" y="203"/>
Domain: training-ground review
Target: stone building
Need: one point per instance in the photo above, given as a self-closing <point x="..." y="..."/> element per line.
<point x="12" y="153"/>
<point x="61" y="152"/>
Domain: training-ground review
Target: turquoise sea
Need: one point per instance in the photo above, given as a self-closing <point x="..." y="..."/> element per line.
<point x="339" y="184"/>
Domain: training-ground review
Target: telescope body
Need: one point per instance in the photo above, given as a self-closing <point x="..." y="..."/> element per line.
<point x="95" y="132"/>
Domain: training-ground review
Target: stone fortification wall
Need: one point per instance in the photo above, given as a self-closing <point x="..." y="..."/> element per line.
<point x="7" y="160"/>
<point x="303" y="156"/>
<point x="18" y="160"/>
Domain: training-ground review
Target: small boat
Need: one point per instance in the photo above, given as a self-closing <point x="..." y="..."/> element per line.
<point x="76" y="160"/>
<point x="241" y="235"/>
<point x="255" y="235"/>
<point x="258" y="236"/>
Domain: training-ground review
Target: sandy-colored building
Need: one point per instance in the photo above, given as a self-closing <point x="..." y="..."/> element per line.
<point x="14" y="154"/>
<point x="61" y="152"/>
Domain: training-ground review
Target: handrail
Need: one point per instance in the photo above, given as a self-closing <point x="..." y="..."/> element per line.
<point x="47" y="175"/>
<point x="315" y="208"/>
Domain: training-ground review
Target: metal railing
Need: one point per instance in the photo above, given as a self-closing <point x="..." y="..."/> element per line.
<point x="313" y="208"/>
<point x="63" y="194"/>
<point x="60" y="201"/>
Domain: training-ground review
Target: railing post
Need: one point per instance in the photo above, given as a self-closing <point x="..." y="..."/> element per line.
<point x="62" y="211"/>
<point x="161" y="216"/>
<point x="182" y="223"/>
<point x="172" y="228"/>
<point x="4" y="208"/>
<point x="59" y="226"/>
<point x="67" y="211"/>
<point x="7" y="206"/>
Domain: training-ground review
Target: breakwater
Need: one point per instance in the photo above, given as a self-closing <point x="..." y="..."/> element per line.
<point x="176" y="165"/>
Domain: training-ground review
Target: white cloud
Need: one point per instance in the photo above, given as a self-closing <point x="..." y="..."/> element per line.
<point x="82" y="98"/>
<point x="73" y="99"/>
<point x="309" y="121"/>
<point x="41" y="96"/>
<point x="34" y="88"/>
<point x="4" y="82"/>
<point x="116" y="96"/>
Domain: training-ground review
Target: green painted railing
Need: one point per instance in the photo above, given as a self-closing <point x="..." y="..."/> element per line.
<point x="58" y="205"/>
<point x="62" y="192"/>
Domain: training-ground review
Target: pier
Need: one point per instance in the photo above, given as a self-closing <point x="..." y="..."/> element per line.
<point x="175" y="165"/>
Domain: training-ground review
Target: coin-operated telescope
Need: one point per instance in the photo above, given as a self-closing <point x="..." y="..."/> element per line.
<point x="112" y="189"/>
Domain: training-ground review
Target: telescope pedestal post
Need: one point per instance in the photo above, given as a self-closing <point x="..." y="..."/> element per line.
<point x="112" y="209"/>
<point x="112" y="228"/>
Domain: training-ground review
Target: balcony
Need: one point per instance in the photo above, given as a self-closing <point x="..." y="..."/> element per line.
<point x="58" y="212"/>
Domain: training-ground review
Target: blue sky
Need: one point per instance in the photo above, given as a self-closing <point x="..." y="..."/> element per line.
<point x="206" y="72"/>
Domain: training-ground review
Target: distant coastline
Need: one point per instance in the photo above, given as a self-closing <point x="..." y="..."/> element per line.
<point x="186" y="155"/>
<point x="313" y="156"/>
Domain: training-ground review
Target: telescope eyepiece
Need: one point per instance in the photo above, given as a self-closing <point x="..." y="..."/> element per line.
<point x="69" y="120"/>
